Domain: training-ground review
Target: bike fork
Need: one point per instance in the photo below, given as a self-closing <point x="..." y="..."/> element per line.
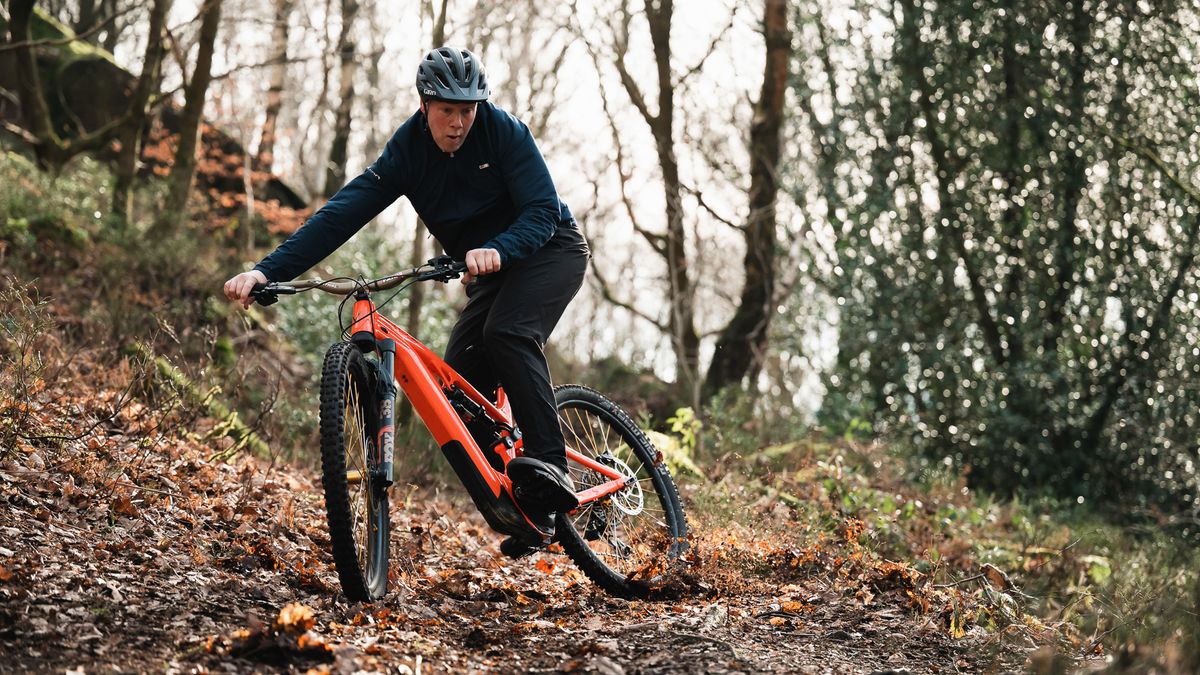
<point x="387" y="413"/>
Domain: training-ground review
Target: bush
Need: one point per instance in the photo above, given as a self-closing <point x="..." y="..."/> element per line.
<point x="24" y="323"/>
<point x="66" y="210"/>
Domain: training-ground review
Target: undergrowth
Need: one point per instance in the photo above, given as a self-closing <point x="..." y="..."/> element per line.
<point x="1028" y="574"/>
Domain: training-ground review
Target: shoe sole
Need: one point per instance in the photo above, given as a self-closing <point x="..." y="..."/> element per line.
<point x="516" y="549"/>
<point x="539" y="488"/>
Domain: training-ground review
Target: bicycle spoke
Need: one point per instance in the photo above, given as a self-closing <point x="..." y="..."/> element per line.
<point x="356" y="458"/>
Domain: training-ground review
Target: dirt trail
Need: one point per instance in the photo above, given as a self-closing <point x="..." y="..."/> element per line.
<point x="126" y="556"/>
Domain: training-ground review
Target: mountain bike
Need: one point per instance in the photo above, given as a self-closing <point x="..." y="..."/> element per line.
<point x="629" y="529"/>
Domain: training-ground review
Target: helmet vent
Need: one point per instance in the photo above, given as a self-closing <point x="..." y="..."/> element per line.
<point x="452" y="74"/>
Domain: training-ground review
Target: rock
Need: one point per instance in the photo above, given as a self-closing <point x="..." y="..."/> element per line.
<point x="605" y="666"/>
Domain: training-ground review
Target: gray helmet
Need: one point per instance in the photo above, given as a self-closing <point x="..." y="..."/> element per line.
<point x="452" y="74"/>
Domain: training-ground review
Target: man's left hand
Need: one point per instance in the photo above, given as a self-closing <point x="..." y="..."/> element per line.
<point x="481" y="261"/>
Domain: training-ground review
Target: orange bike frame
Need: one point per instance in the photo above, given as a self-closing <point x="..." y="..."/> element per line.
<point x="424" y="377"/>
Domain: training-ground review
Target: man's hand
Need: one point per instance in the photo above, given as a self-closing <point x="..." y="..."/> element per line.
<point x="239" y="287"/>
<point x="481" y="261"/>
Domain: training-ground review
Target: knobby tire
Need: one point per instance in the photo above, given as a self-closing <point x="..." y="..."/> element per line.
<point x="626" y="555"/>
<point x="356" y="507"/>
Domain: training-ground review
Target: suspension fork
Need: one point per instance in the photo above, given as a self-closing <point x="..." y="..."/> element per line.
<point x="387" y="412"/>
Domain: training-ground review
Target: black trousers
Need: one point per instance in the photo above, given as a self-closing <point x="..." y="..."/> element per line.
<point x="499" y="337"/>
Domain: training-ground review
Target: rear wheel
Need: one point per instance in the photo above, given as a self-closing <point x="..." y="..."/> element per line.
<point x="357" y="508"/>
<point x="627" y="541"/>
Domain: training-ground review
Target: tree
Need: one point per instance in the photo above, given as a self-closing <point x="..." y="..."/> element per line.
<point x="130" y="134"/>
<point x="52" y="149"/>
<point x="335" y="175"/>
<point x="742" y="343"/>
<point x="416" y="297"/>
<point x="264" y="158"/>
<point x="1015" y="274"/>
<point x="195" y="96"/>
<point x="103" y="22"/>
<point x="670" y="244"/>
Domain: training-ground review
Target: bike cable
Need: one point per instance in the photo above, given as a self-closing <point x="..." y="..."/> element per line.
<point x="345" y="329"/>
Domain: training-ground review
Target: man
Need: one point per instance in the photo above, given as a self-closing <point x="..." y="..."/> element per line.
<point x="477" y="179"/>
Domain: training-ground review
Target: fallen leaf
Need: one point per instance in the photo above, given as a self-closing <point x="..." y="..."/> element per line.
<point x="296" y="617"/>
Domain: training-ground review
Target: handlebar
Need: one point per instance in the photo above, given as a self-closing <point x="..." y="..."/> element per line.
<point x="443" y="269"/>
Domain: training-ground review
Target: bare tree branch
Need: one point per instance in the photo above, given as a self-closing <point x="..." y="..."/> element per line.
<point x="20" y="132"/>
<point x="66" y="40"/>
<point x="607" y="294"/>
<point x="631" y="87"/>
<point x="695" y="192"/>
<point x="657" y="241"/>
<point x="681" y="81"/>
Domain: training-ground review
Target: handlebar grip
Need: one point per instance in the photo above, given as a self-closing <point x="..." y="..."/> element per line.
<point x="263" y="296"/>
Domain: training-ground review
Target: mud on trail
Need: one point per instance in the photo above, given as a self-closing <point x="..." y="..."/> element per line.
<point x="124" y="548"/>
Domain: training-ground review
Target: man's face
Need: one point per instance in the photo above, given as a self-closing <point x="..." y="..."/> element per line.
<point x="449" y="123"/>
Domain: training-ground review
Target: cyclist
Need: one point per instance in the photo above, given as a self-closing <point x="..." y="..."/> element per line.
<point x="476" y="177"/>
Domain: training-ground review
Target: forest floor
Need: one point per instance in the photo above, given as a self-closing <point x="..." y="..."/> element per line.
<point x="125" y="548"/>
<point x="155" y="560"/>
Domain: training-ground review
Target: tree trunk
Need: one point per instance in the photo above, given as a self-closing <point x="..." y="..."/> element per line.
<point x="34" y="110"/>
<point x="683" y="293"/>
<point x="113" y="35"/>
<point x="53" y="151"/>
<point x="130" y="135"/>
<point x="335" y="176"/>
<point x="264" y="159"/>
<point x="743" y="341"/>
<point x="89" y="16"/>
<point x="196" y="94"/>
<point x="416" y="298"/>
<point x="682" y="326"/>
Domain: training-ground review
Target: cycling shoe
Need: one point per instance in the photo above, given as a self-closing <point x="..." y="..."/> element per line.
<point x="541" y="487"/>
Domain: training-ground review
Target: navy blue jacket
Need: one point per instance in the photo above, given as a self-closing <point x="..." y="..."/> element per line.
<point x="493" y="192"/>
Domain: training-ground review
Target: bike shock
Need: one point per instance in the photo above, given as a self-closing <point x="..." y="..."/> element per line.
<point x="484" y="430"/>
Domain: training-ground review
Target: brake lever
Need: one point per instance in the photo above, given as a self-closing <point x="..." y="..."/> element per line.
<point x="444" y="269"/>
<point x="264" y="294"/>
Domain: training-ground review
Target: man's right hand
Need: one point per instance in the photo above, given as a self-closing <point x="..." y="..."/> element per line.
<point x="480" y="261"/>
<point x="239" y="287"/>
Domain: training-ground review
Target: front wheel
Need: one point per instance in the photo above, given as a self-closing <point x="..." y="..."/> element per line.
<point x="627" y="541"/>
<point x="356" y="506"/>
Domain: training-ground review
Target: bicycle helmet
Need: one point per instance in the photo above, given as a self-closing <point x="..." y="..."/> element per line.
<point x="452" y="74"/>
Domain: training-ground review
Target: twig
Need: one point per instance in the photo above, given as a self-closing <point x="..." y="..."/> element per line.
<point x="73" y="38"/>
<point x="143" y="488"/>
<point x="158" y="98"/>
<point x="1095" y="643"/>
<point x="706" y="638"/>
<point x="960" y="582"/>
<point x="784" y="615"/>
<point x="20" y="132"/>
<point x="638" y="626"/>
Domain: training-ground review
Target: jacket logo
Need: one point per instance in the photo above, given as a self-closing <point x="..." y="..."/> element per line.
<point x="485" y="165"/>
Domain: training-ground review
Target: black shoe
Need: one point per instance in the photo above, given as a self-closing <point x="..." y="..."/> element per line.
<point x="519" y="547"/>
<point x="544" y="522"/>
<point x="541" y="487"/>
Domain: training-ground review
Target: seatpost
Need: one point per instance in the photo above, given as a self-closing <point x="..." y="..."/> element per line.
<point x="387" y="410"/>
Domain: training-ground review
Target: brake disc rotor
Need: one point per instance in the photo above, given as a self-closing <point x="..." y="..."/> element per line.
<point x="631" y="499"/>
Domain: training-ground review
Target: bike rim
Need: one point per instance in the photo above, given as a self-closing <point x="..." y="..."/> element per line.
<point x="358" y="474"/>
<point x="633" y="532"/>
